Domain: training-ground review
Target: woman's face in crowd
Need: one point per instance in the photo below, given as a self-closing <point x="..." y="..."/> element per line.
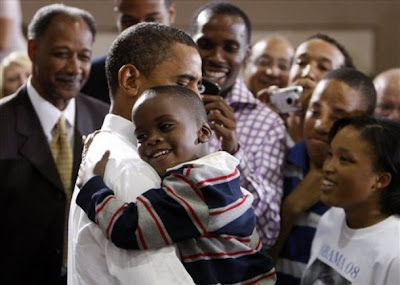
<point x="15" y="75"/>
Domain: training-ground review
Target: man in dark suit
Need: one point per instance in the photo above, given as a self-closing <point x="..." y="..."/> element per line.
<point x="129" y="13"/>
<point x="35" y="198"/>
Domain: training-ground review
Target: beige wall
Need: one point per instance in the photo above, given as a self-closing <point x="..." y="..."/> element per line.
<point x="369" y="29"/>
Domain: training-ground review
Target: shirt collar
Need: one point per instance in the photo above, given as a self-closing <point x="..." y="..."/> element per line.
<point x="48" y="114"/>
<point x="240" y="94"/>
<point x="117" y="124"/>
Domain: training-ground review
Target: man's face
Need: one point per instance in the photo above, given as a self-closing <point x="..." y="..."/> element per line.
<point x="388" y="97"/>
<point x="166" y="131"/>
<point x="182" y="68"/>
<point x="331" y="100"/>
<point x="222" y="42"/>
<point x="312" y="60"/>
<point x="268" y="64"/>
<point x="61" y="59"/>
<point x="132" y="12"/>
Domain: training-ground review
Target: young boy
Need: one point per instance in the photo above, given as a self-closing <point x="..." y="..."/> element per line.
<point x="200" y="205"/>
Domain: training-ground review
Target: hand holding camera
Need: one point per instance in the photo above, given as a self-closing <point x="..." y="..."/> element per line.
<point x="220" y="115"/>
<point x="286" y="100"/>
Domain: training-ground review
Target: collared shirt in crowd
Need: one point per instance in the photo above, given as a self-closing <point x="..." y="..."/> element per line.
<point x="262" y="138"/>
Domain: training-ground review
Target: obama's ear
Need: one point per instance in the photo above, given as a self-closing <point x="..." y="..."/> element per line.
<point x="128" y="80"/>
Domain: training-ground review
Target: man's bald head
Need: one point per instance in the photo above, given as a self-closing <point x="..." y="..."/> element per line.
<point x="387" y="85"/>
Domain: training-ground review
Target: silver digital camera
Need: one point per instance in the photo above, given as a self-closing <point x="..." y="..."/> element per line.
<point x="286" y="99"/>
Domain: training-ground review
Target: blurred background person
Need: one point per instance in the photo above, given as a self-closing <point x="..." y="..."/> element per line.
<point x="387" y="85"/>
<point x="14" y="71"/>
<point x="11" y="35"/>
<point x="313" y="58"/>
<point x="268" y="64"/>
<point x="128" y="13"/>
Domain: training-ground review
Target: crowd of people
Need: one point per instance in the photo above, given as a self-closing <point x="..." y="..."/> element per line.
<point x="116" y="169"/>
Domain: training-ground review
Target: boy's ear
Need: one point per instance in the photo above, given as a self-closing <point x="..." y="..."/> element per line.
<point x="204" y="133"/>
<point x="128" y="80"/>
<point x="383" y="180"/>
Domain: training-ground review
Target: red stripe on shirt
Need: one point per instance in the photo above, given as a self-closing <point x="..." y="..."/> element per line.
<point x="264" y="276"/>
<point x="226" y="237"/>
<point x="188" y="170"/>
<point x="141" y="238"/>
<point x="218" y="254"/>
<point x="111" y="222"/>
<point x="225" y="177"/>
<point x="192" y="212"/>
<point x="100" y="207"/>
<point x="150" y="210"/>
<point x="214" y="213"/>
<point x="191" y="184"/>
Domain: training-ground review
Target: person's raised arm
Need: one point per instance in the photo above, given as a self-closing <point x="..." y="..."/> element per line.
<point x="304" y="196"/>
<point x="222" y="122"/>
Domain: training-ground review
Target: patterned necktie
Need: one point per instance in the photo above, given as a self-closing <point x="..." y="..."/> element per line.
<point x="62" y="154"/>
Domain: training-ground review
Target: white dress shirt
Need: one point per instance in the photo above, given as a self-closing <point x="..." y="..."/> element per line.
<point x="92" y="259"/>
<point x="49" y="114"/>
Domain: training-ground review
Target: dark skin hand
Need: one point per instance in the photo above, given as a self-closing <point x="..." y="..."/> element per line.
<point x="222" y="122"/>
<point x="303" y="197"/>
<point x="82" y="167"/>
<point x="293" y="121"/>
<point x="264" y="94"/>
<point x="100" y="167"/>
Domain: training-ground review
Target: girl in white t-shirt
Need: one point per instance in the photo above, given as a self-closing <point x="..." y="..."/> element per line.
<point x="358" y="239"/>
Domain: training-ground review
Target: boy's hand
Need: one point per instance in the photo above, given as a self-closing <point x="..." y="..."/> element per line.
<point x="100" y="166"/>
<point x="86" y="173"/>
<point x="83" y="167"/>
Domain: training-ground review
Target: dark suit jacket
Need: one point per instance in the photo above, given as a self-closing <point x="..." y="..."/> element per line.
<point x="33" y="202"/>
<point x="97" y="86"/>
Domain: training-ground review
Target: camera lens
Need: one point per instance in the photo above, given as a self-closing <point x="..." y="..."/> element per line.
<point x="289" y="101"/>
<point x="201" y="88"/>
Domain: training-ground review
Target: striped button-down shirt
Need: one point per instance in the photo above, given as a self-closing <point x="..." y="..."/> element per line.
<point x="262" y="138"/>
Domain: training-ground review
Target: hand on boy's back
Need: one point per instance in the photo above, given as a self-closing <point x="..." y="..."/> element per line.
<point x="222" y="121"/>
<point x="85" y="172"/>
<point x="100" y="166"/>
<point x="82" y="168"/>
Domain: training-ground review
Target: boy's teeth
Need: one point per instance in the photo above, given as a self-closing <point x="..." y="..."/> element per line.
<point x="159" y="153"/>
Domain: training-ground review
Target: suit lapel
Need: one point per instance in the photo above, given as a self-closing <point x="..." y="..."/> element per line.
<point x="83" y="125"/>
<point x="78" y="147"/>
<point x="34" y="146"/>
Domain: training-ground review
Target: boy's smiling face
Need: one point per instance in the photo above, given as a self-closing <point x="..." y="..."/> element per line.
<point x="167" y="131"/>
